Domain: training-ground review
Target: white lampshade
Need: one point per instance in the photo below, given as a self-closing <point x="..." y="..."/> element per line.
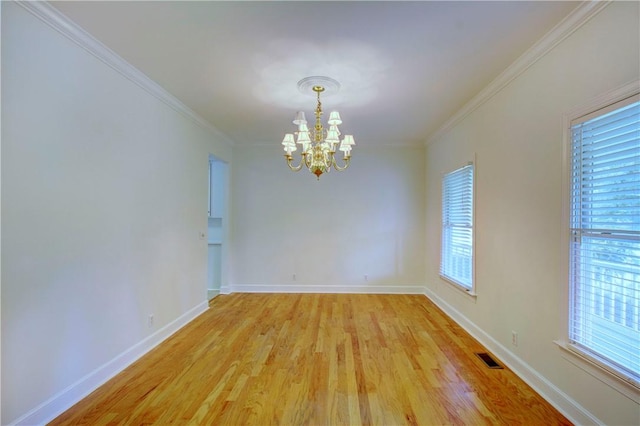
<point x="300" y="118"/>
<point x="303" y="127"/>
<point x="303" y="137"/>
<point x="289" y="143"/>
<point x="334" y="119"/>
<point x="332" y="136"/>
<point x="346" y="144"/>
<point x="345" y="148"/>
<point x="288" y="140"/>
<point x="335" y="129"/>
<point x="348" y="140"/>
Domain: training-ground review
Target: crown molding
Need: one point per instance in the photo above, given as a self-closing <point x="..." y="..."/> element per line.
<point x="578" y="17"/>
<point x="65" y="26"/>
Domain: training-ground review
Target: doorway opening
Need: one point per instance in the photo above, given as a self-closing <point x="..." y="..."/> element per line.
<point x="217" y="225"/>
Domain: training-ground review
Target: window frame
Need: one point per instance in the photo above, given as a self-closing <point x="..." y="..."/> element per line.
<point x="599" y="368"/>
<point x="471" y="291"/>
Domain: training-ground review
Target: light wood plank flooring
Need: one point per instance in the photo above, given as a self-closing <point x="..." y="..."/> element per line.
<point x="315" y="359"/>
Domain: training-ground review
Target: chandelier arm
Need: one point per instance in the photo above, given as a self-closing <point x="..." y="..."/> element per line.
<point x="339" y="168"/>
<point x="290" y="161"/>
<point x="329" y="161"/>
<point x="307" y="157"/>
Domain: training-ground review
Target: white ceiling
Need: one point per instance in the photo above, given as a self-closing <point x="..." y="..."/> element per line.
<point x="404" y="67"/>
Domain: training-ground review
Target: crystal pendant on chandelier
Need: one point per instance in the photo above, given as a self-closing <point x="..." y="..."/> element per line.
<point x="318" y="145"/>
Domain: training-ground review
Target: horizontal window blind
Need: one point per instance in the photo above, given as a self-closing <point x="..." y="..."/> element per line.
<point x="604" y="319"/>
<point x="457" y="227"/>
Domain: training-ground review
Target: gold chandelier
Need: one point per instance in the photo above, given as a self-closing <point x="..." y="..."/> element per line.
<point x="318" y="144"/>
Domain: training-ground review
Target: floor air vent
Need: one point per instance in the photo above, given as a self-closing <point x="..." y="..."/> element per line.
<point x="486" y="358"/>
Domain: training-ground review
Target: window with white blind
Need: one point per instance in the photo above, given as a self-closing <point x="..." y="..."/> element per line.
<point x="604" y="253"/>
<point x="456" y="263"/>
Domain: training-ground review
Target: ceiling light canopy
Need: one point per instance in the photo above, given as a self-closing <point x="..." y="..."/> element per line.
<point x="318" y="144"/>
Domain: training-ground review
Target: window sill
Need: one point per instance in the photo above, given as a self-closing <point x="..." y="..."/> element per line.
<point x="467" y="292"/>
<point x="620" y="384"/>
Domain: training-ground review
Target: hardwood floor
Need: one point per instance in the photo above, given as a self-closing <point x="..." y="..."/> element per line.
<point x="317" y="359"/>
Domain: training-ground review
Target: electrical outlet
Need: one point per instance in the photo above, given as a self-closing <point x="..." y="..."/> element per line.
<point x="366" y="277"/>
<point x="514" y="338"/>
<point x="294" y="277"/>
<point x="150" y="321"/>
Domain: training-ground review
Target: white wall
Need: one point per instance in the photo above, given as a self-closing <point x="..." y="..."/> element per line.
<point x="367" y="220"/>
<point x="104" y="194"/>
<point x="517" y="137"/>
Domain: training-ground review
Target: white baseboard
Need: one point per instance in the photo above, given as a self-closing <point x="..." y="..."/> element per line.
<point x="561" y="401"/>
<point x="286" y="288"/>
<point x="65" y="399"/>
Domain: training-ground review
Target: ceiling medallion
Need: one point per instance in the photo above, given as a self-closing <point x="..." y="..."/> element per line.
<point x="331" y="86"/>
<point x="318" y="144"/>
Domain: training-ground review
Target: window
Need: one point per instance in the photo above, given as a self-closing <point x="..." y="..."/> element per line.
<point x="604" y="252"/>
<point x="456" y="262"/>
